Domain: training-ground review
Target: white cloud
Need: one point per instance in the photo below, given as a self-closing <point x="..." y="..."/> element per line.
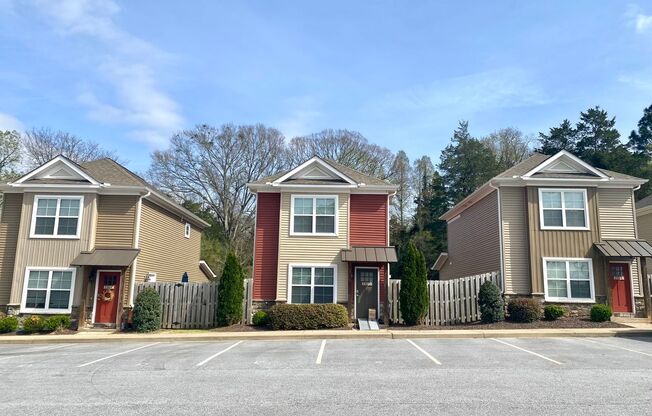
<point x="301" y="118"/>
<point x="9" y="122"/>
<point x="641" y="22"/>
<point x="638" y="81"/>
<point x="126" y="65"/>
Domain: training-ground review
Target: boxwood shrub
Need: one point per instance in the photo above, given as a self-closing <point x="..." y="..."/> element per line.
<point x="601" y="313"/>
<point x="33" y="324"/>
<point x="553" y="312"/>
<point x="8" y="324"/>
<point x="524" y="310"/>
<point x="260" y="318"/>
<point x="147" y="311"/>
<point x="316" y="316"/>
<point x="57" y="322"/>
<point x="490" y="301"/>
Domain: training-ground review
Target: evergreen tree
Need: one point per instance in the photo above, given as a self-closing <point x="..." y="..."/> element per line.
<point x="597" y="137"/>
<point x="429" y="232"/>
<point x="230" y="292"/>
<point x="640" y="142"/>
<point x="563" y="137"/>
<point x="413" y="295"/>
<point x="466" y="164"/>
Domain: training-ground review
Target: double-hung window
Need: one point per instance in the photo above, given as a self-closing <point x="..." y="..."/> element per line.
<point x="48" y="291"/>
<point x="568" y="280"/>
<point x="315" y="215"/>
<point x="312" y="284"/>
<point x="563" y="209"/>
<point x="56" y="216"/>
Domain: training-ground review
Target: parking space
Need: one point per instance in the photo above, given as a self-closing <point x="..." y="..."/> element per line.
<point x="186" y="377"/>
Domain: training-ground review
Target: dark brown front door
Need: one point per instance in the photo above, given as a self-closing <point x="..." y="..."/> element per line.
<point x="108" y="291"/>
<point x="366" y="291"/>
<point x="620" y="281"/>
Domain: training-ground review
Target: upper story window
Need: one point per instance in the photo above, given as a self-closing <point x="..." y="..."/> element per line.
<point x="56" y="216"/>
<point x="563" y="209"/>
<point x="313" y="215"/>
<point x="186" y="230"/>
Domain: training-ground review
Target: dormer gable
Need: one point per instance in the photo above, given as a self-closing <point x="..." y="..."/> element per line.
<point x="565" y="164"/>
<point x="315" y="170"/>
<point x="60" y="170"/>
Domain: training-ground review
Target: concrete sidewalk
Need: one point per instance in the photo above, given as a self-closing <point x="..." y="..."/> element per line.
<point x="205" y="336"/>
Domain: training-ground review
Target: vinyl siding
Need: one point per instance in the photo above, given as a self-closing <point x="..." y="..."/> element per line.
<point x="116" y="215"/>
<point x="9" y="226"/>
<point x="616" y="213"/>
<point x="516" y="260"/>
<point x="50" y="252"/>
<point x="563" y="243"/>
<point x="368" y="220"/>
<point x="474" y="240"/>
<point x="163" y="248"/>
<point x="644" y="225"/>
<point x="268" y="207"/>
<point x="312" y="249"/>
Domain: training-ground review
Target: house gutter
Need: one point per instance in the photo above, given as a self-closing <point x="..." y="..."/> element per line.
<point x="500" y="227"/>
<point x="134" y="265"/>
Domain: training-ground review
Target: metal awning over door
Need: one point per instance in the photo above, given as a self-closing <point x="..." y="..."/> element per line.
<point x="624" y="248"/>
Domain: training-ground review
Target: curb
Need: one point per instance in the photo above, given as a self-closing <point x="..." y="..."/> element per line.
<point x="326" y="334"/>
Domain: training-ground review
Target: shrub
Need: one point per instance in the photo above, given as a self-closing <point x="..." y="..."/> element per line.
<point x="601" y="313"/>
<point x="524" y="310"/>
<point x="147" y="311"/>
<point x="413" y="295"/>
<point x="553" y="312"/>
<point x="230" y="292"/>
<point x="57" y="322"/>
<point x="260" y="318"/>
<point x="8" y="324"/>
<point x="315" y="316"/>
<point x="490" y="301"/>
<point x="33" y="324"/>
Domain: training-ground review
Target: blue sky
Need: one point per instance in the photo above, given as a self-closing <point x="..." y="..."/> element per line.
<point x="129" y="74"/>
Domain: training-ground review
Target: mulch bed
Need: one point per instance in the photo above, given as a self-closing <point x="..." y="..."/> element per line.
<point x="571" y="322"/>
<point x="240" y="328"/>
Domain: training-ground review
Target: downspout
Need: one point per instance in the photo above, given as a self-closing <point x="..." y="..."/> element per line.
<point x="134" y="265"/>
<point x="500" y="227"/>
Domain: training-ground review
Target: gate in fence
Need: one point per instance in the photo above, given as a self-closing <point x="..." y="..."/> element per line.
<point x="192" y="305"/>
<point x="450" y="302"/>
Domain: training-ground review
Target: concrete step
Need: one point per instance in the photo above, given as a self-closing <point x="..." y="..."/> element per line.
<point x="624" y="319"/>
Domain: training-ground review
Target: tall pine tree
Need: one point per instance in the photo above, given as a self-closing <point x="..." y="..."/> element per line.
<point x="563" y="137"/>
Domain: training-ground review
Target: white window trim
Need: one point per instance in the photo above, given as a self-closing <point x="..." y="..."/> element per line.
<point x="314" y="215"/>
<point x="47" y="310"/>
<point x="32" y="230"/>
<point x="312" y="267"/>
<point x="186" y="230"/>
<point x="563" y="209"/>
<point x="568" y="279"/>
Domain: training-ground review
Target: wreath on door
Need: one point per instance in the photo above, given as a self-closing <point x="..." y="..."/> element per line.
<point x="107" y="295"/>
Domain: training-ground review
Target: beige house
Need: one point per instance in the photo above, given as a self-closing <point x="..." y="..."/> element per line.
<point x="75" y="239"/>
<point x="555" y="228"/>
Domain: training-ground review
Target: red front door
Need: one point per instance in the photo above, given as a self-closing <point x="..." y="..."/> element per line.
<point x="108" y="291"/>
<point x="621" y="293"/>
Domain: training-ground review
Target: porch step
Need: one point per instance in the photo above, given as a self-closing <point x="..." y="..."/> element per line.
<point x="367" y="325"/>
<point x="97" y="330"/>
<point x="628" y="319"/>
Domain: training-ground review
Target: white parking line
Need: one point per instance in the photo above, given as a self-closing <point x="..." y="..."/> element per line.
<point x="426" y="353"/>
<point x="616" y="346"/>
<point x="218" y="354"/>
<point x="528" y="351"/>
<point x="115" y="355"/>
<point x="321" y="352"/>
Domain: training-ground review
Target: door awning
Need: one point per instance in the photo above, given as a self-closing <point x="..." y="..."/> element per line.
<point x="370" y="255"/>
<point x="624" y="248"/>
<point x="121" y="257"/>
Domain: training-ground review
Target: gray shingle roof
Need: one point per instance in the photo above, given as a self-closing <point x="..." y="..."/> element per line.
<point x="109" y="171"/>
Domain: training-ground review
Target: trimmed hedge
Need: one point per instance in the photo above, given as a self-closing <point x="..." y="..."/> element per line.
<point x="601" y="313"/>
<point x="553" y="312"/>
<point x="147" y="311"/>
<point x="57" y="322"/>
<point x="524" y="310"/>
<point x="33" y="324"/>
<point x="260" y="318"/>
<point x="8" y="324"/>
<point x="490" y="301"/>
<point x="304" y="316"/>
<point x="413" y="295"/>
<point x="230" y="292"/>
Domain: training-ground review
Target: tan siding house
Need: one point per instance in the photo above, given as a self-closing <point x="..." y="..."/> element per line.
<point x="516" y="257"/>
<point x="71" y="237"/>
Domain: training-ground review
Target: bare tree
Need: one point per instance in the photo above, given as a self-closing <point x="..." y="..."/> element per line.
<point x="510" y="146"/>
<point x="9" y="153"/>
<point x="422" y="173"/>
<point x="401" y="176"/>
<point x="44" y="144"/>
<point x="349" y="148"/>
<point x="213" y="166"/>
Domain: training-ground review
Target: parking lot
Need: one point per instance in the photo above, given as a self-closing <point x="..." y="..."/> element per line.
<point x="384" y="376"/>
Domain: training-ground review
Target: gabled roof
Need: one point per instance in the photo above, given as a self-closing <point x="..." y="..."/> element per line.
<point x="561" y="169"/>
<point x="322" y="172"/>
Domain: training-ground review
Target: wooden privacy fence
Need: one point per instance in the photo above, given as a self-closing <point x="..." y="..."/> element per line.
<point x="193" y="305"/>
<point x="450" y="302"/>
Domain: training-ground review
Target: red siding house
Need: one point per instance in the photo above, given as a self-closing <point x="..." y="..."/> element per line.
<point x="322" y="236"/>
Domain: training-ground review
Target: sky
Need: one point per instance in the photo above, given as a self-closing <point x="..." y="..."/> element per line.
<point x="129" y="74"/>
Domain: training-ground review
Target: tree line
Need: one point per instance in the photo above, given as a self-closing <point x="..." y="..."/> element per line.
<point x="206" y="168"/>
